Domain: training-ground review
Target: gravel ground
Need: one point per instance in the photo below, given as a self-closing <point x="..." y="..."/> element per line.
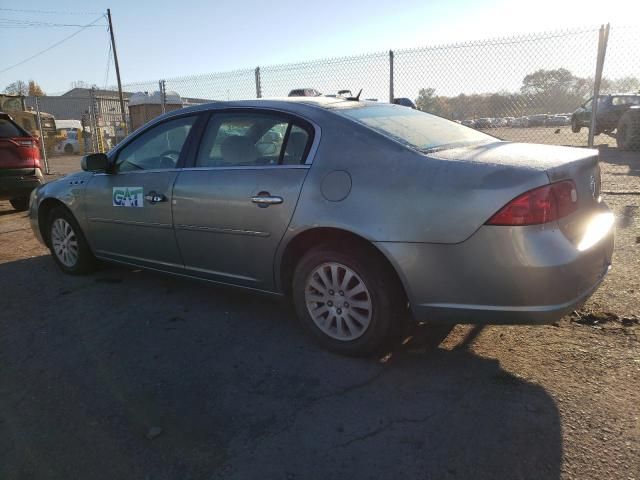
<point x="133" y="375"/>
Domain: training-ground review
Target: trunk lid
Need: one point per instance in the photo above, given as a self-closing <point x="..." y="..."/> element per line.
<point x="19" y="152"/>
<point x="18" y="149"/>
<point x="580" y="165"/>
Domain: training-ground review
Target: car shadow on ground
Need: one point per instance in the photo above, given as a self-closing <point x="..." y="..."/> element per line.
<point x="128" y="374"/>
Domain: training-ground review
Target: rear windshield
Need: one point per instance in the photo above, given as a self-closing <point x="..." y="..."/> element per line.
<point x="8" y="129"/>
<point x="415" y="128"/>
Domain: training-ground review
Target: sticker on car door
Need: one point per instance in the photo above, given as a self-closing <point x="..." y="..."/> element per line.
<point x="128" y="197"/>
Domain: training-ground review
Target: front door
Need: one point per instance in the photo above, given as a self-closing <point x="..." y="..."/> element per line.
<point x="232" y="209"/>
<point x="129" y="210"/>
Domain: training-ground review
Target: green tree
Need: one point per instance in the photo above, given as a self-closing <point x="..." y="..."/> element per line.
<point x="428" y="101"/>
<point x="545" y="82"/>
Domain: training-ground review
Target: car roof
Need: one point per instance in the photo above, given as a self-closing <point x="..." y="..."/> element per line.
<point x="312" y="106"/>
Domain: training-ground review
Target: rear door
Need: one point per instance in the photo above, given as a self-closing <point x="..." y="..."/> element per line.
<point x="233" y="206"/>
<point x="129" y="210"/>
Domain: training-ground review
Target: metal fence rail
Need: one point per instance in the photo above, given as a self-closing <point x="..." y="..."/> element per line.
<point x="519" y="88"/>
<point x="369" y="72"/>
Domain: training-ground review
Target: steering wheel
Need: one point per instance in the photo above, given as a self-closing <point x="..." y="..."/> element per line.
<point x="169" y="158"/>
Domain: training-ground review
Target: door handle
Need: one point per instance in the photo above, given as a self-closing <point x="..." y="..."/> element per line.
<point x="153" y="197"/>
<point x="263" y="199"/>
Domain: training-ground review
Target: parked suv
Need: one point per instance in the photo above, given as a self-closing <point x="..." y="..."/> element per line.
<point x="620" y="112"/>
<point x="20" y="170"/>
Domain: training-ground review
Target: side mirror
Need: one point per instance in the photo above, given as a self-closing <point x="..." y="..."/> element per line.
<point x="95" y="162"/>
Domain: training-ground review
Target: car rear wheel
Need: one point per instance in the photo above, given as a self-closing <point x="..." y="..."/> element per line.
<point x="20" y="204"/>
<point x="347" y="301"/>
<point x="628" y="132"/>
<point x="67" y="243"/>
<point x="575" y="128"/>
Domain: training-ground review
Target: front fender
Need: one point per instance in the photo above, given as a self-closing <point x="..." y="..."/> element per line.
<point x="68" y="190"/>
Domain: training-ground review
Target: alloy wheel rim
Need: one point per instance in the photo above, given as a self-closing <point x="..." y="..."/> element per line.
<point x="64" y="242"/>
<point x="338" y="301"/>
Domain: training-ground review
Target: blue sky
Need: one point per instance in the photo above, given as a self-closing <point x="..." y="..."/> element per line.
<point x="163" y="40"/>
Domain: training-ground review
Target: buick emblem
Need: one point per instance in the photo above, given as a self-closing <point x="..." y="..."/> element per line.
<point x="592" y="184"/>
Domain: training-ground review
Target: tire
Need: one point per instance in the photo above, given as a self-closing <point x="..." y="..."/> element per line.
<point x="575" y="128"/>
<point x="68" y="149"/>
<point x="74" y="257"/>
<point x="348" y="329"/>
<point x="20" y="204"/>
<point x="628" y="131"/>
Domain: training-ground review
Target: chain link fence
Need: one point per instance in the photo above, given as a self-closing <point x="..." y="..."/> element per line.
<point x="86" y="121"/>
<point x="519" y="88"/>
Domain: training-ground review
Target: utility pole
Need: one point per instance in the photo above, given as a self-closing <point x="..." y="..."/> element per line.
<point x="115" y="59"/>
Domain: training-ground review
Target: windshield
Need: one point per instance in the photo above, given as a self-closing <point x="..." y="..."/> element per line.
<point x="414" y="128"/>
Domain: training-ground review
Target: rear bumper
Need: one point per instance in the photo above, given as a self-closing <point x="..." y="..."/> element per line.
<point x="20" y="184"/>
<point x="501" y="275"/>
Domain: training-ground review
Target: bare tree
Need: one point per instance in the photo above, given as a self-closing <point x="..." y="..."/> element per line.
<point x="17" y="88"/>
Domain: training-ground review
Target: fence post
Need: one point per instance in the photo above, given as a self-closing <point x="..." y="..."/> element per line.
<point x="603" y="38"/>
<point x="93" y="121"/>
<point x="258" y="85"/>
<point x="391" y="93"/>
<point x="42" y="139"/>
<point x="163" y="97"/>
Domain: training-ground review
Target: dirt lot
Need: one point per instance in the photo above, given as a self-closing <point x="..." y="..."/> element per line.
<point x="134" y="375"/>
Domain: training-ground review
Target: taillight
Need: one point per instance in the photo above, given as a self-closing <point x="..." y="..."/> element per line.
<point x="540" y="205"/>
<point x="28" y="149"/>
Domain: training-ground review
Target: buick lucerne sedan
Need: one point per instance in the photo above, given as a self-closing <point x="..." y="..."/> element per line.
<point x="364" y="214"/>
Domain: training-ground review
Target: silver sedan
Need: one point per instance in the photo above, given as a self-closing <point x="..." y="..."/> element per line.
<point x="365" y="214"/>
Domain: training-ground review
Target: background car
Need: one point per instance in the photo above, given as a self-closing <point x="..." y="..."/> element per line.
<point x="482" y="123"/>
<point x="539" y="120"/>
<point x="20" y="169"/>
<point x="405" y="102"/>
<point x="304" y="92"/>
<point x="520" y="122"/>
<point x="70" y="145"/>
<point x="620" y="112"/>
<point x="557" y="120"/>
<point x="366" y="215"/>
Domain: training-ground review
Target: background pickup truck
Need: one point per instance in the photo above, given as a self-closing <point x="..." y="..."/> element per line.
<point x="615" y="112"/>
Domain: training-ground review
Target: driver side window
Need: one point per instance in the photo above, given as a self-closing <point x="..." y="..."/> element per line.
<point x="158" y="148"/>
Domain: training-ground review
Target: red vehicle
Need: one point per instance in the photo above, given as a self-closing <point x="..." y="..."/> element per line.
<point x="20" y="167"/>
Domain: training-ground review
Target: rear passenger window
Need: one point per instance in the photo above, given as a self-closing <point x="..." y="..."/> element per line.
<point x="296" y="146"/>
<point x="251" y="139"/>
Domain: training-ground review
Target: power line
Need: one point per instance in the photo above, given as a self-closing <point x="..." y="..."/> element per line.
<point x="52" y="46"/>
<point x="13" y="23"/>
<point x="47" y="12"/>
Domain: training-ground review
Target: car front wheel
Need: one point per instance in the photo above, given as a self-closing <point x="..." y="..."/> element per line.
<point x="628" y="132"/>
<point x="575" y="128"/>
<point x="67" y="243"/>
<point x="348" y="302"/>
